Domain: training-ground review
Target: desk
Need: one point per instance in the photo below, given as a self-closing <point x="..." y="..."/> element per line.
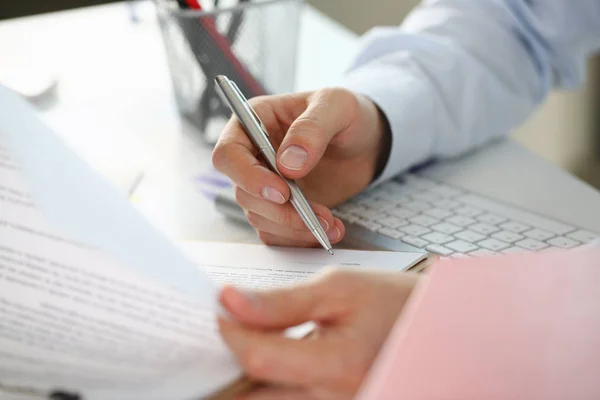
<point x="115" y="104"/>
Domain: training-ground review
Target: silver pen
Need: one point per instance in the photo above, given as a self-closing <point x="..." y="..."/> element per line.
<point x="256" y="131"/>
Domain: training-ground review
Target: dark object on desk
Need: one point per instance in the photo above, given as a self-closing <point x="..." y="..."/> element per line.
<point x="243" y="42"/>
<point x="214" y="54"/>
<point x="16" y="9"/>
<point x="62" y="395"/>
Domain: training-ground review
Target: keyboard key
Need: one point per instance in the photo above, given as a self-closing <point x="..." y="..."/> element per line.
<point x="414" y="230"/>
<point x="507" y="236"/>
<point x="393" y="198"/>
<point x="447" y="204"/>
<point x="491" y="219"/>
<point x="426" y="196"/>
<point x="351" y="218"/>
<point x="493" y="244"/>
<point x="515" y="227"/>
<point x="469" y="236"/>
<point x="349" y="207"/>
<point x="401" y="213"/>
<point x="460" y="220"/>
<point x="437" y="249"/>
<point x="339" y="213"/>
<point x="367" y="213"/>
<point x="460" y="255"/>
<point x="515" y="214"/>
<point x="415" y="241"/>
<point x="583" y="236"/>
<point x="437" y="238"/>
<point x="402" y="200"/>
<point x="418" y="181"/>
<point x="461" y="246"/>
<point x="439" y="213"/>
<point x="539" y="234"/>
<point x="418" y="206"/>
<point x="484" y="229"/>
<point x="391" y="222"/>
<point x="370" y="225"/>
<point x="445" y="191"/>
<point x="532" y="244"/>
<point x="446" y="228"/>
<point x="549" y="250"/>
<point x="483" y="253"/>
<point x="468" y="211"/>
<point x="424" y="220"/>
<point x="563" y="242"/>
<point x="514" y="250"/>
<point x="394" y="188"/>
<point x="394" y="234"/>
<point x="377" y="204"/>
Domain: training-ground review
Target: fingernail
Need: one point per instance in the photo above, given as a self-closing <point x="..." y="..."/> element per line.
<point x="323" y="223"/>
<point x="251" y="298"/>
<point x="294" y="157"/>
<point x="223" y="313"/>
<point x="273" y="195"/>
<point x="334" y="234"/>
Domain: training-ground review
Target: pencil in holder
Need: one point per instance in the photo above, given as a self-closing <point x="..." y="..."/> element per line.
<point x="254" y="43"/>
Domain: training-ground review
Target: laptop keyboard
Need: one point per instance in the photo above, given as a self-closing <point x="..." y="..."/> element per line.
<point x="452" y="222"/>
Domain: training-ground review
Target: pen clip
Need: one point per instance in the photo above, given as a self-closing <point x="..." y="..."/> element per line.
<point x="249" y="107"/>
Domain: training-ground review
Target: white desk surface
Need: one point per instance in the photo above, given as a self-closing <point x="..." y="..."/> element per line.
<point x="115" y="103"/>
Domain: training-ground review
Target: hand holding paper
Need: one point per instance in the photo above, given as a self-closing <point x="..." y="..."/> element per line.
<point x="354" y="310"/>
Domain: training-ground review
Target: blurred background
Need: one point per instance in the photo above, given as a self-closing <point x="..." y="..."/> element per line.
<point x="565" y="130"/>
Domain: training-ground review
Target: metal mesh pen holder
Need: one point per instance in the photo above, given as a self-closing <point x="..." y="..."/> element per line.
<point x="252" y="43"/>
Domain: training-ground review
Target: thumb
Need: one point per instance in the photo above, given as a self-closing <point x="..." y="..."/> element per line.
<point x="285" y="307"/>
<point x="329" y="112"/>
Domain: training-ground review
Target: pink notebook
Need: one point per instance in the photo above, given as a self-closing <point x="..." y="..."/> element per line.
<point x="519" y="327"/>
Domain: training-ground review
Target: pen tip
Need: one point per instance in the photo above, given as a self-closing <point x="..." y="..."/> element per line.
<point x="330" y="251"/>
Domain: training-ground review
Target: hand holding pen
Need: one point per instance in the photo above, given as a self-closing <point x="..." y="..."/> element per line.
<point x="258" y="134"/>
<point x="332" y="142"/>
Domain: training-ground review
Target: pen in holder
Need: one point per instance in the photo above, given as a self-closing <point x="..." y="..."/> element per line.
<point x="253" y="42"/>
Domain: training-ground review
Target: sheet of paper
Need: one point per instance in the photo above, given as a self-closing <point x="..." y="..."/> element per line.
<point x="74" y="317"/>
<point x="256" y="266"/>
<point x="79" y="202"/>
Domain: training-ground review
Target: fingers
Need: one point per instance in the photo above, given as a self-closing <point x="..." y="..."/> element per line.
<point x="274" y="358"/>
<point x="321" y="299"/>
<point x="283" y="221"/>
<point x="285" y="215"/>
<point x="329" y="112"/>
<point x="235" y="157"/>
<point x="303" y="235"/>
<point x="274" y="240"/>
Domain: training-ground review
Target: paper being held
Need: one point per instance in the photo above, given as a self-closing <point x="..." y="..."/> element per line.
<point x="85" y="207"/>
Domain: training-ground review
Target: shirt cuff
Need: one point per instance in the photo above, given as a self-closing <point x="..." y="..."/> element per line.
<point x="404" y="97"/>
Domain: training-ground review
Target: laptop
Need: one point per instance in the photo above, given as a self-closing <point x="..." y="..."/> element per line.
<point x="501" y="199"/>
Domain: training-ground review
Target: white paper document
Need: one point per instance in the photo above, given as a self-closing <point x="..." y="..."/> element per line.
<point x="74" y="317"/>
<point x="262" y="267"/>
<point x="80" y="204"/>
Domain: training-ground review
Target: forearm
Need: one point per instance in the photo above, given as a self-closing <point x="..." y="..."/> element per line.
<point x="458" y="74"/>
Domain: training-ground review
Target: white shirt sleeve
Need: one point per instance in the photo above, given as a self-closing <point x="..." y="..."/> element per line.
<point x="460" y="73"/>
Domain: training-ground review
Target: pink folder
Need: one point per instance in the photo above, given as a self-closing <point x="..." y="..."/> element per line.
<point x="520" y="327"/>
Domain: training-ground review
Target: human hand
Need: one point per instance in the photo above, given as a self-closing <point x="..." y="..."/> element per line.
<point x="330" y="141"/>
<point x="354" y="312"/>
